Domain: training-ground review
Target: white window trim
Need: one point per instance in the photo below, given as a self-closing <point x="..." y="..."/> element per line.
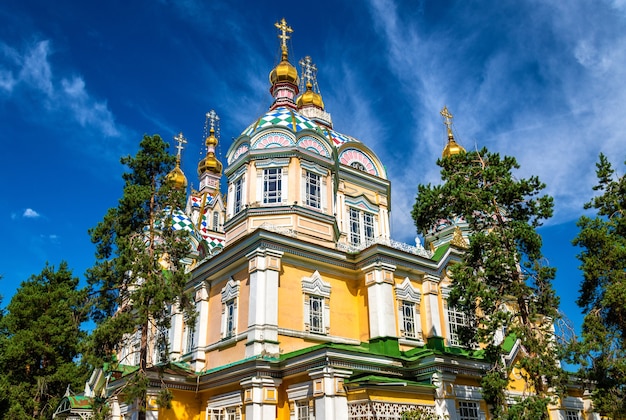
<point x="309" y="167"/>
<point x="475" y="404"/>
<point x="316" y="287"/>
<point x="261" y="166"/>
<point x="298" y="394"/>
<point x="405" y="292"/>
<point x="222" y="403"/>
<point x="230" y="295"/>
<point x="453" y="339"/>
<point x="239" y="176"/>
<point x="362" y="238"/>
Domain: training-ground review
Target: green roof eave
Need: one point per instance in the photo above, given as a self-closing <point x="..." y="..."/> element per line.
<point x="387" y="381"/>
<point x="440" y="252"/>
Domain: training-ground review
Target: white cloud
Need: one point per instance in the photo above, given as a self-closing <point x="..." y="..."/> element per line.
<point x="31" y="70"/>
<point x="30" y="214"/>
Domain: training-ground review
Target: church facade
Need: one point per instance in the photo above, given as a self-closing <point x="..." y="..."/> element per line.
<point x="307" y="308"/>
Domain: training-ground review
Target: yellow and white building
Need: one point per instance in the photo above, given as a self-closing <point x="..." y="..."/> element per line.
<point x="307" y="308"/>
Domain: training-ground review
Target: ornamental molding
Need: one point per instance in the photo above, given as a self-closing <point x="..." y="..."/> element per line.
<point x="314" y="285"/>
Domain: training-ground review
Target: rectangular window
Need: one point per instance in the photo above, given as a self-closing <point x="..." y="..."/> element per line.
<point x="272" y="180"/>
<point x="230" y="413"/>
<point x="302" y="410"/>
<point x="408" y="319"/>
<point x="468" y="410"/>
<point x="368" y="227"/>
<point x="191" y="338"/>
<point x="316" y="314"/>
<point x="456" y="320"/>
<point x="216" y="220"/>
<point x="313" y="190"/>
<point x="230" y="319"/>
<point x="355" y="227"/>
<point x="572" y="415"/>
<point x="238" y="195"/>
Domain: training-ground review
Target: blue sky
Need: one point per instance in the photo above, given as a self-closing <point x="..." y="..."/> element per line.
<point x="81" y="82"/>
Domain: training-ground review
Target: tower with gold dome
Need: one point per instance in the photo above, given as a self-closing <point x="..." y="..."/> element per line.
<point x="307" y="308"/>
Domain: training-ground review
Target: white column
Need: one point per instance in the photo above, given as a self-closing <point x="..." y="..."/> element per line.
<point x="380" y="301"/>
<point x="430" y="293"/>
<point x="264" y="269"/>
<point x="444" y="395"/>
<point x="202" y="322"/>
<point x="260" y="398"/>
<point x="330" y="398"/>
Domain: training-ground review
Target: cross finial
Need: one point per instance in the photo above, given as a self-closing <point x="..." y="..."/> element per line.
<point x="284" y="30"/>
<point x="212" y="119"/>
<point x="447" y="117"/>
<point x="309" y="73"/>
<point x="180" y="139"/>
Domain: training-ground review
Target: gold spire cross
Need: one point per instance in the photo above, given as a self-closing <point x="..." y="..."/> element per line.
<point x="447" y="117"/>
<point x="284" y="29"/>
<point x="180" y="139"/>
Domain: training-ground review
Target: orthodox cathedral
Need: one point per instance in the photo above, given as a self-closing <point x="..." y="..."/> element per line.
<point x="307" y="309"/>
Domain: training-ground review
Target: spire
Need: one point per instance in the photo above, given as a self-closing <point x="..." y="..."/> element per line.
<point x="312" y="95"/>
<point x="176" y="176"/>
<point x="452" y="147"/>
<point x="210" y="168"/>
<point x="210" y="162"/>
<point x="284" y="77"/>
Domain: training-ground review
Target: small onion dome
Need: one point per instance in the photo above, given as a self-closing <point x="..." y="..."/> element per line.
<point x="284" y="71"/>
<point x="177" y="177"/>
<point x="210" y="162"/>
<point x="452" y="148"/>
<point x="310" y="98"/>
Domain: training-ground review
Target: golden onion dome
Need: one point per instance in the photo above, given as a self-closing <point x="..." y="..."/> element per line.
<point x="211" y="140"/>
<point x="310" y="98"/>
<point x="177" y="177"/>
<point x="284" y="72"/>
<point x="210" y="163"/>
<point x="452" y="147"/>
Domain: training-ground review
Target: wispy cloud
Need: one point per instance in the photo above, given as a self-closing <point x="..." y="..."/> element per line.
<point x="552" y="95"/>
<point x="30" y="69"/>
<point x="31" y="214"/>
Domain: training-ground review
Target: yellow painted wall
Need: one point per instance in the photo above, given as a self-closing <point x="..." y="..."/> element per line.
<point x="346" y="304"/>
<point x="185" y="406"/>
<point x="222" y="356"/>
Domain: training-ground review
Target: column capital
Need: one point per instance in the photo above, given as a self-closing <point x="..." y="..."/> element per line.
<point x="264" y="259"/>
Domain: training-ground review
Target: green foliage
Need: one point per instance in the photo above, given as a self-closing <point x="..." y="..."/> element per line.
<point x="40" y="344"/>
<point x="421" y="413"/>
<point x="602" y="349"/>
<point x="502" y="282"/>
<point x="138" y="275"/>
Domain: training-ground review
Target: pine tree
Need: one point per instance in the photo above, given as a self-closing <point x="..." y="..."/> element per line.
<point x="502" y="282"/>
<point x="602" y="350"/>
<point x="139" y="275"/>
<point x="40" y="345"/>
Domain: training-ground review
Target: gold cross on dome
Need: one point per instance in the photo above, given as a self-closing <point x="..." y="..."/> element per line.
<point x="284" y="29"/>
<point x="180" y="139"/>
<point x="447" y="117"/>
<point x="308" y="70"/>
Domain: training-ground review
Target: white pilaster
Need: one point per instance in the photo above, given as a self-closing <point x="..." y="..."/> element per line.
<point x="202" y="306"/>
<point x="260" y="397"/>
<point x="430" y="292"/>
<point x="264" y="269"/>
<point x="329" y="394"/>
<point x="444" y="395"/>
<point x="380" y="301"/>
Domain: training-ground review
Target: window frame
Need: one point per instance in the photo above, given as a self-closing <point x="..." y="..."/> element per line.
<point x="272" y="185"/>
<point x="312" y="198"/>
<point x="469" y="410"/>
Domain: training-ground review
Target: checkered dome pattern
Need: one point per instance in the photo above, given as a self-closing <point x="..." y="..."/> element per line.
<point x="282" y="117"/>
<point x="180" y="221"/>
